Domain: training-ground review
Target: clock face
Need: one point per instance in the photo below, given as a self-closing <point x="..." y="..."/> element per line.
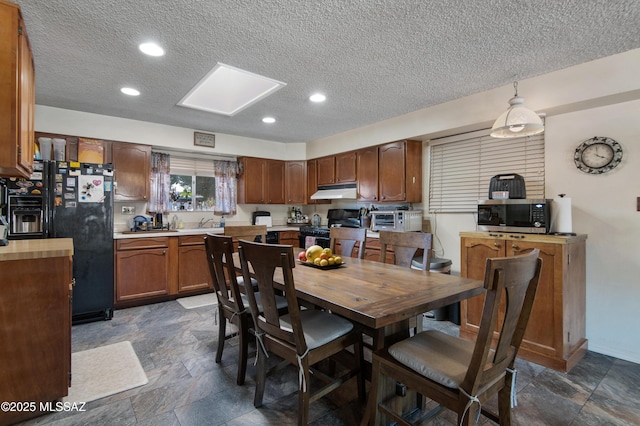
<point x="598" y="155"/>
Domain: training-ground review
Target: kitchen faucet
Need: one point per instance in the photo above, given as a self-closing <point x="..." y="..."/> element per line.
<point x="203" y="222"/>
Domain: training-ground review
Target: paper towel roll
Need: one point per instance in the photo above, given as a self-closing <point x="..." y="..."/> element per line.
<point x="561" y="215"/>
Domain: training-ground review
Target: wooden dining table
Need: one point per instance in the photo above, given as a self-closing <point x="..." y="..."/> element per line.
<point x="380" y="297"/>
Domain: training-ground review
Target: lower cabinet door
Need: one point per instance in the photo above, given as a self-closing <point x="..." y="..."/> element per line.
<point x="141" y="273"/>
<point x="193" y="270"/>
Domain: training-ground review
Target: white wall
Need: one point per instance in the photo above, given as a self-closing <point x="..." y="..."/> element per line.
<point x="597" y="98"/>
<point x="604" y="207"/>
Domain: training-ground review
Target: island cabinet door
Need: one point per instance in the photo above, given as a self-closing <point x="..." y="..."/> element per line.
<point x="193" y="270"/>
<point x="142" y="273"/>
<point x="475" y="252"/>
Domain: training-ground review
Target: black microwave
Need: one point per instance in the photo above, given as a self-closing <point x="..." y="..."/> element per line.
<point x="514" y="215"/>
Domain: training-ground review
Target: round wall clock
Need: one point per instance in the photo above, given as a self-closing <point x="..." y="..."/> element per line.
<point x="598" y="155"/>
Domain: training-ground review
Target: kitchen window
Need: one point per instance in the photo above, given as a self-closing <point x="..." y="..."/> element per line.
<point x="461" y="167"/>
<point x="192" y="184"/>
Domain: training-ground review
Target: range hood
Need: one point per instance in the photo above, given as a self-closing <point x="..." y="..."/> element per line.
<point x="336" y="192"/>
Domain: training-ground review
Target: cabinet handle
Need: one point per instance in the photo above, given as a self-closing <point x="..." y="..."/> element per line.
<point x="164" y="252"/>
<point x="515" y="246"/>
<point x="496" y="245"/>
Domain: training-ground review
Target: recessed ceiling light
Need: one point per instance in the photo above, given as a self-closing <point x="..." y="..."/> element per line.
<point x="269" y="120"/>
<point x="227" y="90"/>
<point x="317" y="97"/>
<point x="129" y="91"/>
<point x="151" y="49"/>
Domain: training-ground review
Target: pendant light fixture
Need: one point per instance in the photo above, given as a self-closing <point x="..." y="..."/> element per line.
<point x="517" y="121"/>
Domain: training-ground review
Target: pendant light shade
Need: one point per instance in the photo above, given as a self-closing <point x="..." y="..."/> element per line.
<point x="517" y="121"/>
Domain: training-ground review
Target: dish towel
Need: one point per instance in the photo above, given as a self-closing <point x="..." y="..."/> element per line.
<point x="309" y="241"/>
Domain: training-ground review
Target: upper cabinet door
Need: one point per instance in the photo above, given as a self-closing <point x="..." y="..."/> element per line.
<point x="252" y="185"/>
<point x="132" y="165"/>
<point x="296" y="182"/>
<point x="275" y="182"/>
<point x="400" y="171"/>
<point x="17" y="97"/>
<point x="392" y="171"/>
<point x="367" y="166"/>
<point x="326" y="170"/>
<point x="346" y="167"/>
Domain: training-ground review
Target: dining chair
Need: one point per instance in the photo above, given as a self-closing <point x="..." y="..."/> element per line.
<point x="405" y="246"/>
<point x="348" y="237"/>
<point x="232" y="304"/>
<point x="303" y="337"/>
<point x="459" y="374"/>
<point x="245" y="232"/>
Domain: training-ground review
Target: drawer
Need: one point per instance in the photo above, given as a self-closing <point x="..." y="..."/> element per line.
<point x="190" y="240"/>
<point x="142" y="243"/>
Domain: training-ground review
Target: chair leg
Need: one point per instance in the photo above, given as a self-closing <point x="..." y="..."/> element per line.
<point x="372" y="414"/>
<point x="261" y="373"/>
<point x="243" y="348"/>
<point x="222" y="330"/>
<point x="304" y="395"/>
<point x="504" y="403"/>
<point x="359" y="354"/>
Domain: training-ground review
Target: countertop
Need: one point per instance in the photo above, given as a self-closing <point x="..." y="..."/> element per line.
<point x="36" y="249"/>
<point x="537" y="238"/>
<point x="189" y="231"/>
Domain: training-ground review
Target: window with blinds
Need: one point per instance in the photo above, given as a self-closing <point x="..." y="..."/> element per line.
<point x="461" y="168"/>
<point x="192" y="184"/>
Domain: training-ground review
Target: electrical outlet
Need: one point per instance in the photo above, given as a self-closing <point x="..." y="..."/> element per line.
<point x="128" y="210"/>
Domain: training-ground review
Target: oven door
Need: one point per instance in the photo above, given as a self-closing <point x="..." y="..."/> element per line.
<point x="383" y="221"/>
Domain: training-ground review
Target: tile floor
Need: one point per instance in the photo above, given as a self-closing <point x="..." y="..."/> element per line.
<point x="186" y="387"/>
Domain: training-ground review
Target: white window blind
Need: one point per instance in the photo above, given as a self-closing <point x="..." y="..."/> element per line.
<point x="191" y="166"/>
<point x="460" y="170"/>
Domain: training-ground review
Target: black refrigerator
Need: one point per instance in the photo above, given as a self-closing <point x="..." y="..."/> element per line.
<point x="79" y="204"/>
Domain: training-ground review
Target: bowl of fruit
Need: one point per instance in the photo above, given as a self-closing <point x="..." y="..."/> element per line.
<point x="318" y="257"/>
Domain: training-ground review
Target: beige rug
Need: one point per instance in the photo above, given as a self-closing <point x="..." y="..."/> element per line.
<point x="104" y="371"/>
<point x="199" y="301"/>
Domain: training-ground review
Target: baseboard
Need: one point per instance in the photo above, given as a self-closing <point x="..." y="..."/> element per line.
<point x="605" y="350"/>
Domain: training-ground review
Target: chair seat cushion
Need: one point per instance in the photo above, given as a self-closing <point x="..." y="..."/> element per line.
<point x="435" y="355"/>
<point x="281" y="302"/>
<point x="319" y="327"/>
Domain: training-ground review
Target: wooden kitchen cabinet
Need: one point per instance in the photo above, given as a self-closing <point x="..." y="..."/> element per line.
<point x="555" y="335"/>
<point x="132" y="167"/>
<point x="312" y="182"/>
<point x="17" y="97"/>
<point x="142" y="268"/>
<point x="289" y="238"/>
<point x="35" y="318"/>
<point x="326" y="173"/>
<point x="367" y="166"/>
<point x="193" y="269"/>
<point x="337" y="169"/>
<point x="346" y="167"/>
<point x="296" y="182"/>
<point x="400" y="171"/>
<point x="261" y="181"/>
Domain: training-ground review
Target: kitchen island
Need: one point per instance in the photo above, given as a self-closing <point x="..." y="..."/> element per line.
<point x="35" y="324"/>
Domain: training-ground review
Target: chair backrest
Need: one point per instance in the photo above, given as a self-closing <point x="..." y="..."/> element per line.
<point x="264" y="260"/>
<point x="245" y="232"/>
<point x="348" y="238"/>
<point x="220" y="259"/>
<point x="405" y="245"/>
<point x="516" y="279"/>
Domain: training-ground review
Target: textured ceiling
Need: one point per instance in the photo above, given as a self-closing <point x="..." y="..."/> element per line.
<point x="374" y="59"/>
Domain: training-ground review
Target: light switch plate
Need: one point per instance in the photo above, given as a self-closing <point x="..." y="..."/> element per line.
<point x="128" y="210"/>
